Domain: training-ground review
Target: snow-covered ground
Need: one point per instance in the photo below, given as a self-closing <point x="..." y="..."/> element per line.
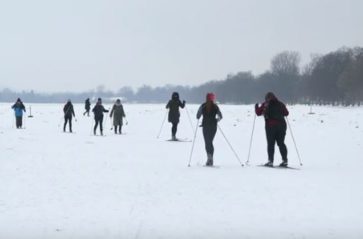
<point x="61" y="185"/>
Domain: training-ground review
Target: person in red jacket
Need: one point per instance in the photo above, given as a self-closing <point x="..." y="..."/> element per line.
<point x="274" y="112"/>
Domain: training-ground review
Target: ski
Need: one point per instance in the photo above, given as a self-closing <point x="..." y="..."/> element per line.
<point x="179" y="140"/>
<point x="214" y="166"/>
<point x="278" y="167"/>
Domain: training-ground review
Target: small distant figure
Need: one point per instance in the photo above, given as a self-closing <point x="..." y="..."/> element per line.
<point x="87" y="106"/>
<point x="174" y="113"/>
<point x="274" y="112"/>
<point x="68" y="113"/>
<point x="118" y="114"/>
<point x="18" y="108"/>
<point x="211" y="116"/>
<point x="98" y="111"/>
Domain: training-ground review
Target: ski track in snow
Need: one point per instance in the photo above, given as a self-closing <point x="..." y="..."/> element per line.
<point x="57" y="185"/>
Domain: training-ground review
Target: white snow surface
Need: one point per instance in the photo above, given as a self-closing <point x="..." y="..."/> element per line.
<point x="62" y="185"/>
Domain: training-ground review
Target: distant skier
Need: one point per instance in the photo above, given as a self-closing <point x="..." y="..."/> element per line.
<point x="87" y="106"/>
<point x="174" y="114"/>
<point x="274" y="112"/>
<point x="98" y="111"/>
<point x="18" y="108"/>
<point x="68" y="114"/>
<point x="118" y="113"/>
<point x="211" y="115"/>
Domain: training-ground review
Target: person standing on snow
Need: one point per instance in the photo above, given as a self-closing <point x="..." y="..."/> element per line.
<point x="98" y="111"/>
<point x="118" y="113"/>
<point x="18" y="108"/>
<point x="211" y="115"/>
<point x="68" y="113"/>
<point x="87" y="106"/>
<point x="274" y="112"/>
<point x="174" y="114"/>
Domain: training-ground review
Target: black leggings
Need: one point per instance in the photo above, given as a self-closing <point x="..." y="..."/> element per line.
<point x="174" y="128"/>
<point x="276" y="134"/>
<point x="98" y="121"/>
<point x="209" y="131"/>
<point x="19" y="121"/>
<point x="66" y="120"/>
<point x="119" y="128"/>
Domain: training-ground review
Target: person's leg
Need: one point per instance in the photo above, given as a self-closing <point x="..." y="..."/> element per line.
<point x="271" y="138"/>
<point x="65" y="123"/>
<point x="101" y="126"/>
<point x="208" y="133"/>
<point x="280" y="139"/>
<point x="17" y="122"/>
<point x="120" y="127"/>
<point x="173" y="130"/>
<point x="96" y="125"/>
<point x="70" y="124"/>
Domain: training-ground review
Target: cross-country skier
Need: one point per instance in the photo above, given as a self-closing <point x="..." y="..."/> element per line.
<point x="87" y="106"/>
<point x="98" y="111"/>
<point x="174" y="114"/>
<point x="211" y="115"/>
<point x="274" y="112"/>
<point x="68" y="113"/>
<point x="18" y="108"/>
<point x="118" y="113"/>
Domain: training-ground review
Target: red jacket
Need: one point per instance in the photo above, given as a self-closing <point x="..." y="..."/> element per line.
<point x="260" y="110"/>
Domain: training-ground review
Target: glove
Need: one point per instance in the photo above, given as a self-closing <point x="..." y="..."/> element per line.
<point x="256" y="106"/>
<point x="184" y="102"/>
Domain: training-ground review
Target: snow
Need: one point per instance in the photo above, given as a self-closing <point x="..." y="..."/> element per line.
<point x="61" y="185"/>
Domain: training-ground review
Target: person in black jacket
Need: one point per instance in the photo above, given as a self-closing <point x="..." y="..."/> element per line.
<point x="274" y="112"/>
<point x="87" y="106"/>
<point x="98" y="111"/>
<point x="174" y="114"/>
<point x="68" y="113"/>
<point x="211" y="115"/>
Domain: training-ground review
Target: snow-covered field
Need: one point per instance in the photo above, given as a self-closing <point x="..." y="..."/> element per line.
<point x="61" y="185"/>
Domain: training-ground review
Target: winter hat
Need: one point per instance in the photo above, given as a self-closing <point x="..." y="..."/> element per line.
<point x="211" y="97"/>
<point x="175" y="95"/>
<point x="118" y="101"/>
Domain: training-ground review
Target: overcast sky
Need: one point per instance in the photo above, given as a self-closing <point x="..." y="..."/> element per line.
<point x="77" y="45"/>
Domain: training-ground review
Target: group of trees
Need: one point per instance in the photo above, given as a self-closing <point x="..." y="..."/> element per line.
<point x="334" y="78"/>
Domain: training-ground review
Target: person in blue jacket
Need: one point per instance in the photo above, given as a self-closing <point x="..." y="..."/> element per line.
<point x="18" y="108"/>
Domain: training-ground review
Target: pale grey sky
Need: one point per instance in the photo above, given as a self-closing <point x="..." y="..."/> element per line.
<point x="76" y="45"/>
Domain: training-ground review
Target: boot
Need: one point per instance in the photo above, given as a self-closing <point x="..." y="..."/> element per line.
<point x="209" y="160"/>
<point x="269" y="164"/>
<point x="101" y="132"/>
<point x="283" y="164"/>
<point x="173" y="138"/>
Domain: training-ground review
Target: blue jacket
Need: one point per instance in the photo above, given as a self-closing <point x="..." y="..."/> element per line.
<point x="19" y="108"/>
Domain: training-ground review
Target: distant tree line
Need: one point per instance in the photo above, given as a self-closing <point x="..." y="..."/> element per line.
<point x="335" y="78"/>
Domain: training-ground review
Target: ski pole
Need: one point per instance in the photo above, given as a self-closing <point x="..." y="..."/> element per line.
<point x="230" y="145"/>
<point x="195" y="135"/>
<point x="249" y="148"/>
<point x="293" y="139"/>
<point x="190" y="120"/>
<point x="166" y="112"/>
